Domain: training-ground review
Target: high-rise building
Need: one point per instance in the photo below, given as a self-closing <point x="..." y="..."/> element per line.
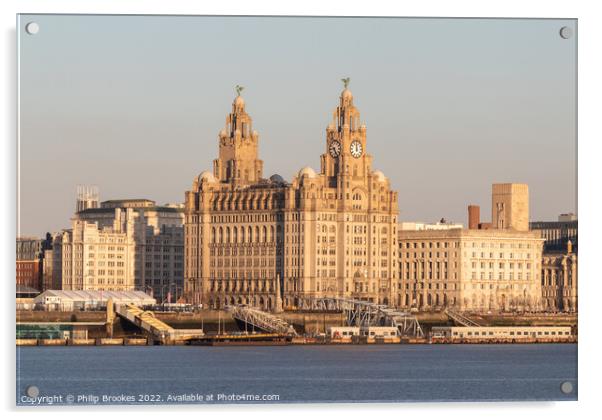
<point x="255" y="240"/>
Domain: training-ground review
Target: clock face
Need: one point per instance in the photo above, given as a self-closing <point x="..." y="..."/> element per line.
<point x="356" y="149"/>
<point x="335" y="148"/>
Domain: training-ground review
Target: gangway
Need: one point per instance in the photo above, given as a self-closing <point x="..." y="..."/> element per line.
<point x="361" y="313"/>
<point x="158" y="329"/>
<point x="461" y="319"/>
<point x="260" y="320"/>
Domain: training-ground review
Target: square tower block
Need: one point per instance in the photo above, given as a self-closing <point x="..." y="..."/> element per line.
<point x="510" y="206"/>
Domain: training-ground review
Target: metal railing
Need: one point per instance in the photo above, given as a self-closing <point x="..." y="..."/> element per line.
<point x="363" y="314"/>
<point x="461" y="319"/>
<point x="260" y="319"/>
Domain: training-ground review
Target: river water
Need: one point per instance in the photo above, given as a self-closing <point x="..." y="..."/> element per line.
<point x="343" y="373"/>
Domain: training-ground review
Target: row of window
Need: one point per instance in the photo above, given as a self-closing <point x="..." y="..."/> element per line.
<point x="458" y="244"/>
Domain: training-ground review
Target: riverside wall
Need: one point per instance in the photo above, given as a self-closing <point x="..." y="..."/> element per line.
<point x="304" y="322"/>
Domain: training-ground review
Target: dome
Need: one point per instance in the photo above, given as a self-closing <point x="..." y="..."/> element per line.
<point x="379" y="176"/>
<point x="206" y="176"/>
<point x="277" y="179"/>
<point x="239" y="101"/>
<point x="347" y="94"/>
<point x="307" y="171"/>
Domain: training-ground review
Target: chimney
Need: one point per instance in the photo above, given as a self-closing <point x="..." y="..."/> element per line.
<point x="474" y="216"/>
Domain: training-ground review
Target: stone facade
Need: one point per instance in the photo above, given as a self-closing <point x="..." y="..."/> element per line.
<point x="559" y="281"/>
<point x="469" y="270"/>
<point x="262" y="241"/>
<point x="88" y="257"/>
<point x="510" y="206"/>
<point x="158" y="236"/>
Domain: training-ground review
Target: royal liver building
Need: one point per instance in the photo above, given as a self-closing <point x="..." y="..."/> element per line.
<point x="269" y="243"/>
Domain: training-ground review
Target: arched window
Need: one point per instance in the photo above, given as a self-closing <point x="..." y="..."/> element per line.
<point x="264" y="235"/>
<point x="257" y="238"/>
<point x="213" y="235"/>
<point x="235" y="234"/>
<point x="227" y="235"/>
<point x="272" y="233"/>
<point x="221" y="235"/>
<point x="242" y="234"/>
<point x="250" y="234"/>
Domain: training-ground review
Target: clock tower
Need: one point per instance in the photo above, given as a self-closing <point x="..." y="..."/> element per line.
<point x="345" y="155"/>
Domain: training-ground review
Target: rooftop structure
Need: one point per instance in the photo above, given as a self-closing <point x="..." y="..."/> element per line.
<point x="442" y="225"/>
<point x="86" y="297"/>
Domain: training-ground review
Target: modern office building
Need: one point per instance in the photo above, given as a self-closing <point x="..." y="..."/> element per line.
<point x="558" y="233"/>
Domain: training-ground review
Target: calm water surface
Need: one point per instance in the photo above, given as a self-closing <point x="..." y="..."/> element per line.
<point x="343" y="373"/>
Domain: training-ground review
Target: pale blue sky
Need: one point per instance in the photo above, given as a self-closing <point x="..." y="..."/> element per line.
<point x="134" y="105"/>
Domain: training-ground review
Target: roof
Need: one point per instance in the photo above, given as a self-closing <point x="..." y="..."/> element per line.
<point x="458" y="233"/>
<point x="97" y="295"/>
<point x="111" y="210"/>
<point x="22" y="289"/>
<point x="97" y="210"/>
<point x="128" y="200"/>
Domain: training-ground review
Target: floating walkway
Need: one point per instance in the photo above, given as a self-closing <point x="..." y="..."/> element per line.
<point x="157" y="329"/>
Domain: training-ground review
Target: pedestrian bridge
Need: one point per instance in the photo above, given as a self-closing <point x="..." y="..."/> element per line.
<point x="365" y="314"/>
<point x="255" y="318"/>
<point x="461" y="319"/>
<point x="357" y="313"/>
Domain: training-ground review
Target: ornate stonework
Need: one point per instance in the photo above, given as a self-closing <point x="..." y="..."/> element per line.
<point x="251" y="240"/>
<point x="559" y="281"/>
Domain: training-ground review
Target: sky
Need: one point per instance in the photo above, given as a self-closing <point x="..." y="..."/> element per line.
<point x="134" y="104"/>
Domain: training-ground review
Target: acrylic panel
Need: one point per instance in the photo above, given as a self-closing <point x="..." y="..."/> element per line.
<point x="260" y="210"/>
